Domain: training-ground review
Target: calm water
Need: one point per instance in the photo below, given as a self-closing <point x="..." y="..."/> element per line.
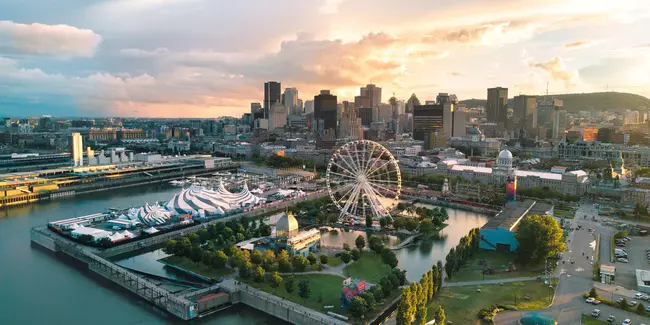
<point x="36" y="288"/>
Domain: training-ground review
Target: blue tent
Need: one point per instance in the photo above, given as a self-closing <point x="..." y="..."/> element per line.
<point x="537" y="319"/>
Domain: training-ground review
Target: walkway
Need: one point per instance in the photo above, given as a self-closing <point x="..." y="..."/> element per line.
<point x="405" y="242"/>
<point x="493" y="281"/>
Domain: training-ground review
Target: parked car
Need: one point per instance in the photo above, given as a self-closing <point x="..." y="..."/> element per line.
<point x="618" y="300"/>
<point x="638" y="295"/>
<point x="595" y="302"/>
<point x="627" y="322"/>
<point x="627" y="238"/>
<point x="590" y="300"/>
<point x="632" y="303"/>
<point x="611" y="319"/>
<point x="623" y="260"/>
<point x="595" y="313"/>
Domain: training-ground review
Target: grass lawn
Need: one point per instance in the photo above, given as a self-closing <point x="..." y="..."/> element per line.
<point x="198" y="268"/>
<point x="325" y="291"/>
<point x="592" y="321"/>
<point x="563" y="213"/>
<point x="369" y="267"/>
<point x="494" y="259"/>
<point x="462" y="304"/>
<point x="334" y="261"/>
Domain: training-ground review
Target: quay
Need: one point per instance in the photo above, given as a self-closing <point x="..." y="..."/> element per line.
<point x="185" y="305"/>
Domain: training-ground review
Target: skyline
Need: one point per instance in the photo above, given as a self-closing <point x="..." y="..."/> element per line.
<point x="195" y="58"/>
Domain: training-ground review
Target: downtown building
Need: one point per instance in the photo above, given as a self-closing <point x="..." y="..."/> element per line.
<point x="497" y="107"/>
<point x="593" y="150"/>
<point x="428" y="125"/>
<point x="325" y="112"/>
<point x="272" y="95"/>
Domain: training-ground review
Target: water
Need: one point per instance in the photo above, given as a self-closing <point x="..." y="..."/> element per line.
<point x="417" y="259"/>
<point x="37" y="288"/>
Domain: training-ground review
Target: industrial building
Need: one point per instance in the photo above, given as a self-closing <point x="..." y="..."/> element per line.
<point x="499" y="233"/>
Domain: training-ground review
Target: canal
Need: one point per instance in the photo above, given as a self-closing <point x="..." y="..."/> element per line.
<point x="37" y="288"/>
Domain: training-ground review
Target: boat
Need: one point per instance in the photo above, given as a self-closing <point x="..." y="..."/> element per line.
<point x="177" y="183"/>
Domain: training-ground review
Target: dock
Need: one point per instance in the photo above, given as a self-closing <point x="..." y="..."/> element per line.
<point x="183" y="305"/>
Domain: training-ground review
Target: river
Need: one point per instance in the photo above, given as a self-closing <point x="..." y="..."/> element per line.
<point x="37" y="288"/>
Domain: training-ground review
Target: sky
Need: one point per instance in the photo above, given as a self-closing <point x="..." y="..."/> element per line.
<point x="210" y="58"/>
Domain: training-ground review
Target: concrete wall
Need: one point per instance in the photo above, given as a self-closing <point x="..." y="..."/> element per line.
<point x="42" y="240"/>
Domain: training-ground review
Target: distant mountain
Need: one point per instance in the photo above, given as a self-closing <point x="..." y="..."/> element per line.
<point x="588" y="101"/>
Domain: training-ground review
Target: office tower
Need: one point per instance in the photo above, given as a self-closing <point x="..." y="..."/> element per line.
<point x="524" y="112"/>
<point x="497" y="106"/>
<point x="405" y="122"/>
<point x="325" y="110"/>
<point x="277" y="117"/>
<point x="256" y="112"/>
<point x="301" y="107"/>
<point x="309" y="106"/>
<point x="400" y="108"/>
<point x="365" y="114"/>
<point x="559" y="123"/>
<point x="77" y="149"/>
<point x="451" y="116"/>
<point x="272" y="95"/>
<point x="350" y="125"/>
<point x="290" y="101"/>
<point x="545" y="110"/>
<point x="382" y="113"/>
<point x="372" y="93"/>
<point x="411" y="102"/>
<point x="349" y="106"/>
<point x="427" y="119"/>
<point x="444" y="98"/>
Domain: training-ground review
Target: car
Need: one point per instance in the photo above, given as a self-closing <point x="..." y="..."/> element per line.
<point x="645" y="298"/>
<point x="647" y="309"/>
<point x="627" y="321"/>
<point x="627" y="238"/>
<point x="623" y="260"/>
<point x="595" y="313"/>
<point x="590" y="300"/>
<point x="595" y="302"/>
<point x="611" y="319"/>
<point x="632" y="303"/>
<point x="618" y="300"/>
<point x="638" y="295"/>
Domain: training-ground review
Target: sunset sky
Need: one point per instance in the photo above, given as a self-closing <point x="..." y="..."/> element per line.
<point x="208" y="58"/>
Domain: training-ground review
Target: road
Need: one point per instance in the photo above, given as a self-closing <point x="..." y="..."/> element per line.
<point x="576" y="279"/>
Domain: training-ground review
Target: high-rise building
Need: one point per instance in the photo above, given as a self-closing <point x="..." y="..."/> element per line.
<point x="365" y="114"/>
<point x="277" y="117"/>
<point x="524" y="112"/>
<point x="290" y="101"/>
<point x="309" y="106"/>
<point x="272" y="95"/>
<point x="497" y="106"/>
<point x="427" y="119"/>
<point x="411" y="102"/>
<point x="453" y="119"/>
<point x="545" y="110"/>
<point x="325" y="110"/>
<point x="373" y="93"/>
<point x="382" y="113"/>
<point x="400" y="108"/>
<point x="559" y="123"/>
<point x="77" y="149"/>
<point x="256" y="112"/>
<point x="350" y="125"/>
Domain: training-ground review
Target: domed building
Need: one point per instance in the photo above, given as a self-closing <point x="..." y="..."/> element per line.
<point x="286" y="235"/>
<point x="504" y="160"/>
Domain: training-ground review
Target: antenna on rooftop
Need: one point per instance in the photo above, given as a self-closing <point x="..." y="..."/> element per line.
<point x="546" y="88"/>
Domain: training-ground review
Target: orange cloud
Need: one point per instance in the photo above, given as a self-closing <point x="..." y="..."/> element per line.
<point x="578" y="45"/>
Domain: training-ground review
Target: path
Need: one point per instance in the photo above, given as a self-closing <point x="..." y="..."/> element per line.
<point x="405" y="242"/>
<point x="493" y="281"/>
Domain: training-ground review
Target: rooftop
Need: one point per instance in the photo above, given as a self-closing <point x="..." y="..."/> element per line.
<point x="513" y="212"/>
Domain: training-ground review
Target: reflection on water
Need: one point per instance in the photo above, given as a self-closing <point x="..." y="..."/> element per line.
<point x="417" y="259"/>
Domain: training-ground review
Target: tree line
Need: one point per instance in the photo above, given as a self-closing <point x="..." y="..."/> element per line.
<point x="416" y="297"/>
<point x="459" y="255"/>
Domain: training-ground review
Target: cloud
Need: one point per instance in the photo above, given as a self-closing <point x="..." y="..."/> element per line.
<point x="456" y="74"/>
<point x="41" y="39"/>
<point x="137" y="53"/>
<point x="330" y="7"/>
<point x="624" y="71"/>
<point x="578" y="45"/>
<point x="558" y="71"/>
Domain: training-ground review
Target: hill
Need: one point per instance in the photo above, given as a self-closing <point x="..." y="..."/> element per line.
<point x="602" y="101"/>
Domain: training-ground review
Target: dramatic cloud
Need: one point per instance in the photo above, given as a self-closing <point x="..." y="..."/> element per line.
<point x="136" y="53"/>
<point x="60" y="40"/>
<point x="578" y="45"/>
<point x="558" y="71"/>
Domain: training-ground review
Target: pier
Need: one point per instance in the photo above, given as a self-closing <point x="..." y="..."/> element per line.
<point x="183" y="305"/>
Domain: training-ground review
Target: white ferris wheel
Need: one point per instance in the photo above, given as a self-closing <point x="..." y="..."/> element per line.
<point x="363" y="179"/>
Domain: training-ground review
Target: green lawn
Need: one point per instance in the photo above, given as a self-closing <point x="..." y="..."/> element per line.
<point x="198" y="268"/>
<point x="369" y="267"/>
<point x="563" y="213"/>
<point x="462" y="304"/>
<point x="494" y="259"/>
<point x="325" y="291"/>
<point x="592" y="321"/>
<point x="334" y="261"/>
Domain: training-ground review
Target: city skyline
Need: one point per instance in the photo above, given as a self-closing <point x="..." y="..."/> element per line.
<point x="172" y="58"/>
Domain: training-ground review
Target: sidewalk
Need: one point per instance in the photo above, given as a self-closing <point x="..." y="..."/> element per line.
<point x="494" y="281"/>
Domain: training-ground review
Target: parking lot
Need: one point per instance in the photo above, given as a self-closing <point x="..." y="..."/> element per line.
<point x="636" y="251"/>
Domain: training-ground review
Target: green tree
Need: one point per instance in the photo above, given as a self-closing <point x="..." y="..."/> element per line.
<point x="360" y="242"/>
<point x="289" y="285"/>
<point x="268" y="259"/>
<point x="427" y="226"/>
<point x="346" y="257"/>
<point x="312" y="258"/>
<point x="170" y="247"/>
<point x="256" y="257"/>
<point x="368" y="221"/>
<point x="439" y="315"/>
<point x="219" y="260"/>
<point x="376" y="244"/>
<point x="324" y="259"/>
<point x="259" y="274"/>
<point x="196" y="254"/>
<point x="593" y="293"/>
<point x="274" y="280"/>
<point x="623" y="304"/>
<point x="439" y="277"/>
<point x="403" y="308"/>
<point x="640" y="309"/>
<point x="538" y="237"/>
<point x="299" y="263"/>
<point x="370" y="299"/>
<point x="383" y="222"/>
<point x="450" y="263"/>
<point x="358" y="306"/>
<point x="411" y="224"/>
<point x="346" y="246"/>
<point x="355" y="254"/>
<point x="303" y="289"/>
<point x="388" y="257"/>
<point x="245" y="270"/>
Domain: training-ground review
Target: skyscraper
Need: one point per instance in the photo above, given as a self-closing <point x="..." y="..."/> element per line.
<point x="559" y="123"/>
<point x="256" y="113"/>
<point x="277" y="116"/>
<point x="309" y="106"/>
<point x="291" y="101"/>
<point x="545" y="110"/>
<point x="272" y="95"/>
<point x="77" y="149"/>
<point x="525" y="112"/>
<point x="365" y="114"/>
<point x="372" y="93"/>
<point x="325" y="110"/>
<point x="497" y="106"/>
<point x="350" y="125"/>
<point x="427" y="119"/>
